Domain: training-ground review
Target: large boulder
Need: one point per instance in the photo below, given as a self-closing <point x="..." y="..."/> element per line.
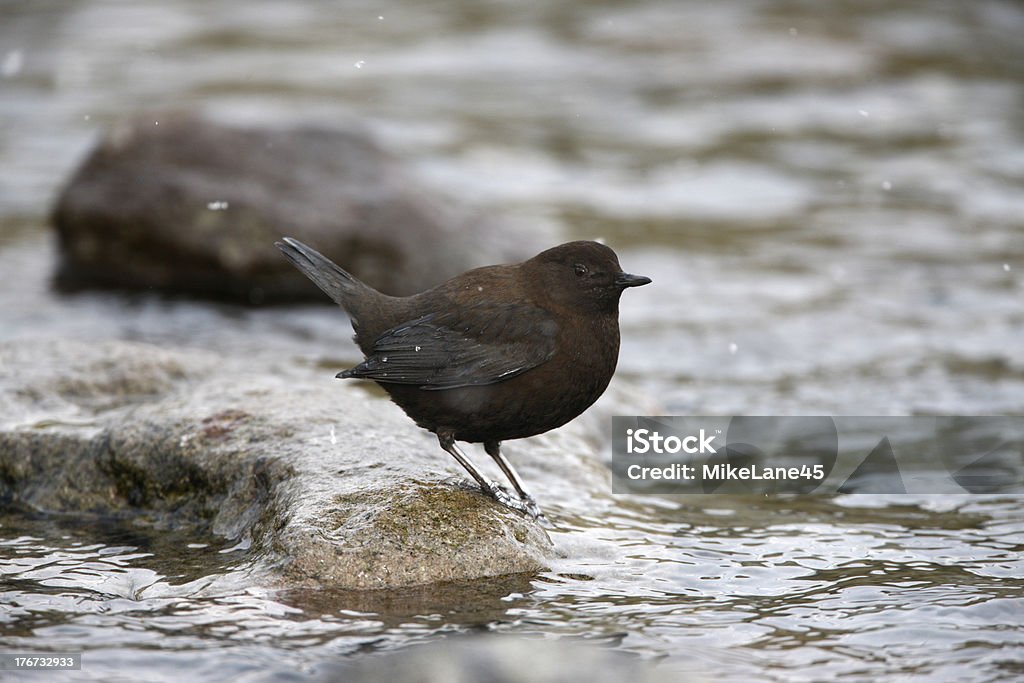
<point x="181" y="204"/>
<point x="326" y="484"/>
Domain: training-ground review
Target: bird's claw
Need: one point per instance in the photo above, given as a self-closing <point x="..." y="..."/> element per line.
<point x="533" y="510"/>
<point x="501" y="494"/>
<point x="527" y="505"/>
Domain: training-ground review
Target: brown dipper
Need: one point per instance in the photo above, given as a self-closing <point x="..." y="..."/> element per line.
<point x="500" y="352"/>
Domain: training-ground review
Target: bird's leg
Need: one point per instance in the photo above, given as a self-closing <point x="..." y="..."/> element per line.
<point x="493" y="449"/>
<point x="495" y="490"/>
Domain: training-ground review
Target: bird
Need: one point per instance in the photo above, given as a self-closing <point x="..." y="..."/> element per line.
<point x="497" y="353"/>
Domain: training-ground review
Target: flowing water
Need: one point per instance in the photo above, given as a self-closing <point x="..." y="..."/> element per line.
<point x="829" y="197"/>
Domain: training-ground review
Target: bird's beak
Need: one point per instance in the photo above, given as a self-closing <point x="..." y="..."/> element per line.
<point x="627" y="280"/>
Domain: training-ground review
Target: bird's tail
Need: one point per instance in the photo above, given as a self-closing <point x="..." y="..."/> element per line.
<point x="325" y="273"/>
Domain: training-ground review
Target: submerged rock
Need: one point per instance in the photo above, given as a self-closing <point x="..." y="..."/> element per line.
<point x="327" y="485"/>
<point x="184" y="205"/>
<point x="504" y="659"/>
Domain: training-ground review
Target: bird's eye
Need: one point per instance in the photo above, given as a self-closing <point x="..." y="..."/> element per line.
<point x="580" y="269"/>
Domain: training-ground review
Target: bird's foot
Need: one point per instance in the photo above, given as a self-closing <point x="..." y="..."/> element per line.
<point x="527" y="505"/>
<point x="533" y="510"/>
<point x="502" y="495"/>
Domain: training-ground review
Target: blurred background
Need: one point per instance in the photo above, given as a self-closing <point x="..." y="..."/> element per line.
<point x="828" y="195"/>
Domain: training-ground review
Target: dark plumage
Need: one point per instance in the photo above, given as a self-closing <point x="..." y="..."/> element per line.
<point x="501" y="352"/>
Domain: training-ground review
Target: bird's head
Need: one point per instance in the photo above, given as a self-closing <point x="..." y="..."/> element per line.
<point x="581" y="276"/>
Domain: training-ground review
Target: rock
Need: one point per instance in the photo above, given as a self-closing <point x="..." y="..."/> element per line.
<point x="180" y="204"/>
<point x="503" y="659"/>
<point x="327" y="484"/>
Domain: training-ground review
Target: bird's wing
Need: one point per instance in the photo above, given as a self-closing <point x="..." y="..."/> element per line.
<point x="476" y="345"/>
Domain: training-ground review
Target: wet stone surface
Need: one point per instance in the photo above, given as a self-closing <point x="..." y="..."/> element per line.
<point x="325" y="486"/>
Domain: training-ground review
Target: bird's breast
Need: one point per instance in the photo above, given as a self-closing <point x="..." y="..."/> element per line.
<point x="536" y="401"/>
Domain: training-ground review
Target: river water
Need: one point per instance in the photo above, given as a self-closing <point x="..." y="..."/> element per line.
<point x="829" y="197"/>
